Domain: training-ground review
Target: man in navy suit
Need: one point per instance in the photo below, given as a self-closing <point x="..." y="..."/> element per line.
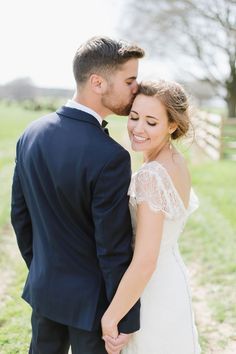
<point x="70" y="206"/>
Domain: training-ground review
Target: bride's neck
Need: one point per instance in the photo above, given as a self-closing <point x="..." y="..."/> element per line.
<point x="154" y="154"/>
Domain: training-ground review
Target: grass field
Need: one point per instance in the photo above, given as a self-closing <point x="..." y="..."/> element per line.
<point x="208" y="244"/>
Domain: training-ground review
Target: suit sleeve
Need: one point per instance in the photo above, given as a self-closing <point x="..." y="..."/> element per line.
<point x="20" y="219"/>
<point x="113" y="231"/>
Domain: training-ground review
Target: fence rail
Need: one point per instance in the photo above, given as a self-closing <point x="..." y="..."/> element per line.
<point x="215" y="135"/>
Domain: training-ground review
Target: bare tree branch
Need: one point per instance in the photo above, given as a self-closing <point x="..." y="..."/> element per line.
<point x="202" y="30"/>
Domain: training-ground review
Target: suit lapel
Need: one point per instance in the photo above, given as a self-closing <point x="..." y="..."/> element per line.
<point x="77" y="114"/>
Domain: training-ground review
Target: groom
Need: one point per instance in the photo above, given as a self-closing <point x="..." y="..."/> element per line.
<point x="70" y="205"/>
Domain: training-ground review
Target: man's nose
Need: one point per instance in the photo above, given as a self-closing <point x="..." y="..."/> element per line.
<point x="134" y="87"/>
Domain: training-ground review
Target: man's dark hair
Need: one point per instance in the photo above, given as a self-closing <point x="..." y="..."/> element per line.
<point x="102" y="55"/>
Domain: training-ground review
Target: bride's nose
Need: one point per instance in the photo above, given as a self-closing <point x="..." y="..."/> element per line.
<point x="139" y="127"/>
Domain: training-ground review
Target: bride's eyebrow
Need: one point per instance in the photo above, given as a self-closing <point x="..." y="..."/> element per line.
<point x="132" y="111"/>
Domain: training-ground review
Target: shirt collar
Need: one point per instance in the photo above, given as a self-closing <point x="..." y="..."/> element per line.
<point x="81" y="107"/>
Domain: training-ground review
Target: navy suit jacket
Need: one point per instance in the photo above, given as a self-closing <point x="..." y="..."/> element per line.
<point x="71" y="218"/>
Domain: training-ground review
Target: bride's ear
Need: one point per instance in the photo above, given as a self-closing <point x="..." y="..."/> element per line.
<point x="172" y="127"/>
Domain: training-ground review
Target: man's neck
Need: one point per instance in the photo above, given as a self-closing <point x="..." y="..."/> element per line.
<point x="77" y="105"/>
<point x="92" y="104"/>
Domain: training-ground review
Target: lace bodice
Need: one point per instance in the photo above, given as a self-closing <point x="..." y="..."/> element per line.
<point x="152" y="184"/>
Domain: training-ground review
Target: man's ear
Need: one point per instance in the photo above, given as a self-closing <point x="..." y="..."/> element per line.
<point x="98" y="84"/>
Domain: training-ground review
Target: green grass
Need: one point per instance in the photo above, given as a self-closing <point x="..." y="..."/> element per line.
<point x="13" y="119"/>
<point x="216" y="224"/>
<point x="14" y="313"/>
<point x="208" y="240"/>
<point x="15" y="318"/>
<point x="217" y="183"/>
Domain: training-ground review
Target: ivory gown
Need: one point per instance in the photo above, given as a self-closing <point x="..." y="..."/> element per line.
<point x="167" y="320"/>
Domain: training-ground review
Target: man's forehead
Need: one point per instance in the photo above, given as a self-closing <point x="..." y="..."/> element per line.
<point x="131" y="63"/>
<point x="129" y="68"/>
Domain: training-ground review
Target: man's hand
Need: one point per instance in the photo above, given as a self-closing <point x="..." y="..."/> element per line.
<point x="115" y="345"/>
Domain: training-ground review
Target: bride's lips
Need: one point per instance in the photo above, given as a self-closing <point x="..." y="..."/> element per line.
<point x="139" y="139"/>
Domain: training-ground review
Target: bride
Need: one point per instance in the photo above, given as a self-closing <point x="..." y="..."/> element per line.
<point x="161" y="200"/>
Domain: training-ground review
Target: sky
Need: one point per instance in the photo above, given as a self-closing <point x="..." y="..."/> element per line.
<point x="39" y="38"/>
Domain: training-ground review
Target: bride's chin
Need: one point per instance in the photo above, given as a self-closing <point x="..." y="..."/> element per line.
<point x="134" y="148"/>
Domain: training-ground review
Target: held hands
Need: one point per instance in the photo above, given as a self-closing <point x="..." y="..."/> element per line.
<point x="115" y="345"/>
<point x="114" y="342"/>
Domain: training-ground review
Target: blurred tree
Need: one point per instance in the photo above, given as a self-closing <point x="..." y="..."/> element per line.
<point x="199" y="36"/>
<point x="19" y="89"/>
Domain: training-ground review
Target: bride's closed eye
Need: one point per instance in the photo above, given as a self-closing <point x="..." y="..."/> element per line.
<point x="133" y="116"/>
<point x="152" y="124"/>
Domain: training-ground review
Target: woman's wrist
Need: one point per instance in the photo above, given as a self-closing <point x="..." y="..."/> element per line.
<point x="109" y="324"/>
<point x="109" y="319"/>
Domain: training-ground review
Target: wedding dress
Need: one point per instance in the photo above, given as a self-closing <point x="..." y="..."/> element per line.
<point x="167" y="320"/>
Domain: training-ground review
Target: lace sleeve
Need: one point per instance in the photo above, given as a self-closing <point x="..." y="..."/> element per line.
<point x="154" y="186"/>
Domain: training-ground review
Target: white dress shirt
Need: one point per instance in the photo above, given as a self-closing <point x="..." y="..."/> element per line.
<point x="81" y="107"/>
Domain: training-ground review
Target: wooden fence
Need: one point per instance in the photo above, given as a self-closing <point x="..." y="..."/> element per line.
<point x="215" y="135"/>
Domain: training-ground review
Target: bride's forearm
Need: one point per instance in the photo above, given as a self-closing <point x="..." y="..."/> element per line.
<point x="142" y="266"/>
<point x="129" y="291"/>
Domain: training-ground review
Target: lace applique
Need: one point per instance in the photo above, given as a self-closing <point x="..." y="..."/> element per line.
<point x="152" y="184"/>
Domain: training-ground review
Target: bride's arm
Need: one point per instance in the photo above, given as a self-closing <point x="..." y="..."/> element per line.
<point x="141" y="268"/>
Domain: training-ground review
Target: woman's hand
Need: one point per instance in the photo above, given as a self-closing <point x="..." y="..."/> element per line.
<point x="109" y="333"/>
<point x="114" y="342"/>
<point x="115" y="345"/>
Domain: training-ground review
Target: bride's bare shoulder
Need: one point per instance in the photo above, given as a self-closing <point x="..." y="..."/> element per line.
<point x="177" y="168"/>
<point x="174" y="163"/>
